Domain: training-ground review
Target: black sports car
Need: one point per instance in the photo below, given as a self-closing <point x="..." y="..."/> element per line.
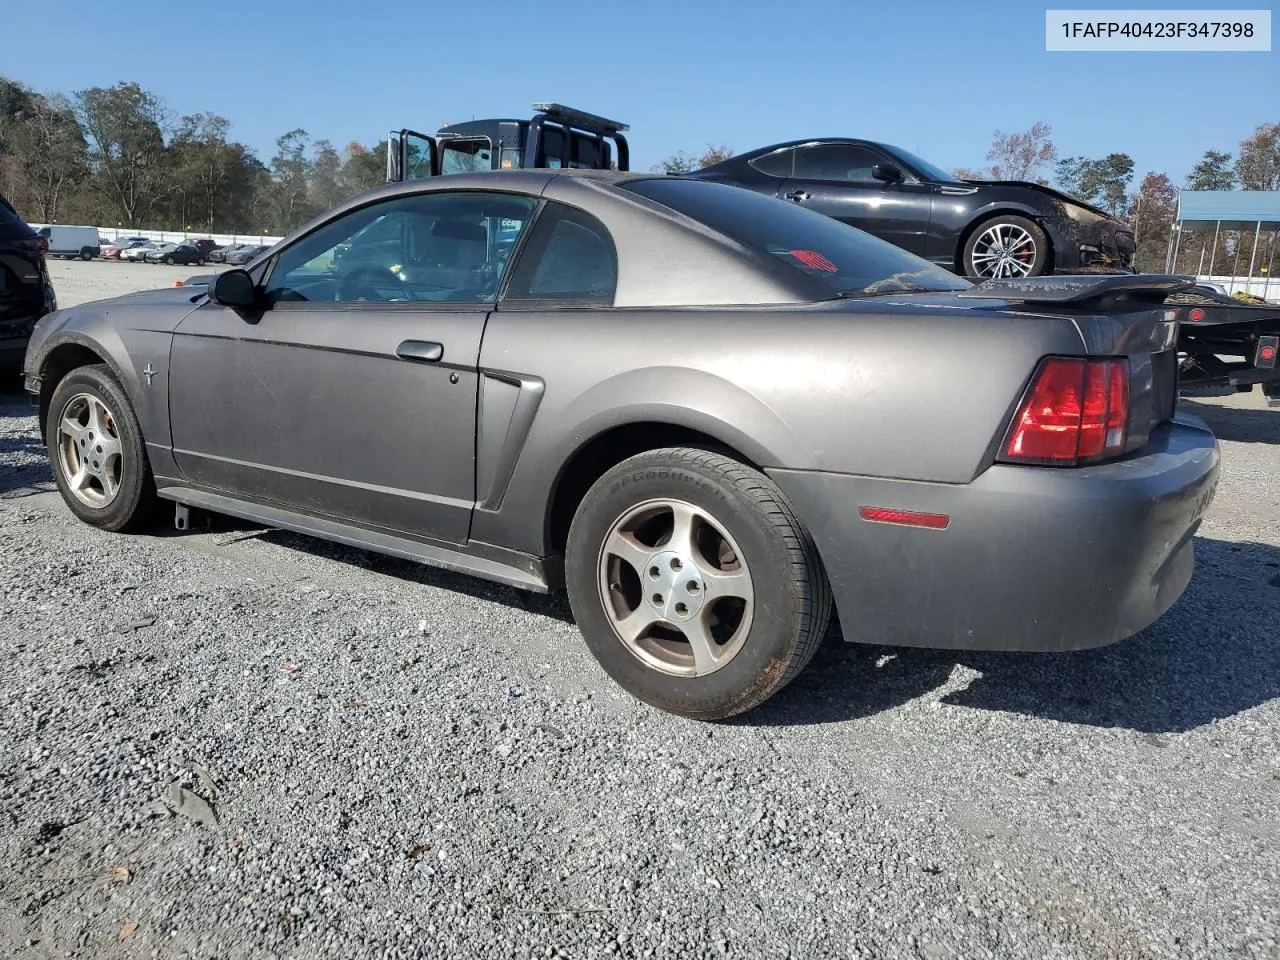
<point x="979" y="228"/>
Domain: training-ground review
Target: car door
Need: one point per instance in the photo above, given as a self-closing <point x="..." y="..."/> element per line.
<point x="351" y="392"/>
<point x="836" y="179"/>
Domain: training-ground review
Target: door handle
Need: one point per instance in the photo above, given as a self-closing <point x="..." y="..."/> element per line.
<point x="420" y="351"/>
<point x="799" y="196"/>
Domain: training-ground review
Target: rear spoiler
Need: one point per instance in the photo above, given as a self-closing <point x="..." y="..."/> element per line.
<point x="1150" y="287"/>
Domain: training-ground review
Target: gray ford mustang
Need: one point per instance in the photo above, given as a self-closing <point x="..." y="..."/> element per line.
<point x="706" y="414"/>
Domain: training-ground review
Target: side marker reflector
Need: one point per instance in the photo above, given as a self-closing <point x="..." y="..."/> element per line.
<point x="908" y="518"/>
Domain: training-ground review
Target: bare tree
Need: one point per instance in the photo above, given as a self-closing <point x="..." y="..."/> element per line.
<point x="1021" y="156"/>
<point x="715" y="155"/>
<point x="48" y="150"/>
<point x="127" y="127"/>
<point x="679" y="162"/>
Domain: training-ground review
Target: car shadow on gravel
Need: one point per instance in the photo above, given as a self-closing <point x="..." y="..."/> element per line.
<point x="1212" y="656"/>
<point x="1236" y="424"/>
<point x="227" y="530"/>
<point x="24" y="466"/>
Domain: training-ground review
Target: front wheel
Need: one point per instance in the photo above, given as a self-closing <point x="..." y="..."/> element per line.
<point x="95" y="448"/>
<point x="694" y="585"/>
<point x="1004" y="247"/>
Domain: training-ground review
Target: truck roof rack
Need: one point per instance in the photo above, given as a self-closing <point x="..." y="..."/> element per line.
<point x="580" y="118"/>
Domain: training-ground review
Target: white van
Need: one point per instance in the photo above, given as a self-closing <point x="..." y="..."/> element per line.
<point x="82" y="242"/>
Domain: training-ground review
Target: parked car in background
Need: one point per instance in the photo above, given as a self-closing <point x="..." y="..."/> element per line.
<point x="204" y="244"/>
<point x="681" y="402"/>
<point x="138" y="253"/>
<point x="220" y="255"/>
<point x="172" y="253"/>
<point x="26" y="293"/>
<point x="245" y="254"/>
<point x="72" y="242"/>
<point x="117" y="247"/>
<point x="978" y="228"/>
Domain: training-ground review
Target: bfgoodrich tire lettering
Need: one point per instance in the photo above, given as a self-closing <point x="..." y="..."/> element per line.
<point x="96" y="451"/>
<point x="677" y="547"/>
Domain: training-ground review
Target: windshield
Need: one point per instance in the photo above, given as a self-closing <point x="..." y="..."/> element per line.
<point x="848" y="260"/>
<point x="936" y="174"/>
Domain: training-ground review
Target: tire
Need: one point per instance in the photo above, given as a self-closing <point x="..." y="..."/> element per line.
<point x="86" y="255"/>
<point x="168" y="261"/>
<point x="1011" y="228"/>
<point x="199" y="261"/>
<point x="770" y="638"/>
<point x="134" y="504"/>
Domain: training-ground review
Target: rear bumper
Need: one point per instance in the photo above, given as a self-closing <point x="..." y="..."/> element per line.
<point x="1032" y="558"/>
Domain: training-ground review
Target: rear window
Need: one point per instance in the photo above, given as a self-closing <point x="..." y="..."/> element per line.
<point x="850" y="261"/>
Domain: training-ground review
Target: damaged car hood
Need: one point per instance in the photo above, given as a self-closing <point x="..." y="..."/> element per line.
<point x="1064" y="198"/>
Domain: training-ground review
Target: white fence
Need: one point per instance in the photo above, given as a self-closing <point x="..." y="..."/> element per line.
<point x="177" y="236"/>
<point x="1268" y="288"/>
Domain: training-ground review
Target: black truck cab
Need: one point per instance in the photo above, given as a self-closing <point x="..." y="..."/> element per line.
<point x="556" y="136"/>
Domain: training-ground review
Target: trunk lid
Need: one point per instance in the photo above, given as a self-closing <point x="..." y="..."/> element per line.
<point x="1117" y="316"/>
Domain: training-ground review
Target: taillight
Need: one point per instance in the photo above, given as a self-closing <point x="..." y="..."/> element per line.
<point x="1077" y="410"/>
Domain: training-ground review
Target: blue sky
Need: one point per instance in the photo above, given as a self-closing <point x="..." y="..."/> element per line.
<point x="935" y="78"/>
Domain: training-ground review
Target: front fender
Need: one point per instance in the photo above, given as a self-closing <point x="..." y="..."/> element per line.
<point x="129" y="338"/>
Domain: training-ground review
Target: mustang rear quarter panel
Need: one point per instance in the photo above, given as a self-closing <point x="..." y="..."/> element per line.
<point x="1033" y="558"/>
<point x="875" y="388"/>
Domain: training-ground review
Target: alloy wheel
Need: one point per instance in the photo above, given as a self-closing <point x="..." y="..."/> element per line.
<point x="1004" y="250"/>
<point x="90" y="454"/>
<point x="675" y="588"/>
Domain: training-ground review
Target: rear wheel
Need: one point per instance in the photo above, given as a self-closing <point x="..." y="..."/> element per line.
<point x="95" y="447"/>
<point x="694" y="585"/>
<point x="1006" y="246"/>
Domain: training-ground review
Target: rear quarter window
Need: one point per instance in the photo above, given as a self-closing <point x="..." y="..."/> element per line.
<point x="850" y="261"/>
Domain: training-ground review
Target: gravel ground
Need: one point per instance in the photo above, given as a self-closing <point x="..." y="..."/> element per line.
<point x="382" y="760"/>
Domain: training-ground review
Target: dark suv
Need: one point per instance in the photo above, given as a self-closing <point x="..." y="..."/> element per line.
<point x="26" y="294"/>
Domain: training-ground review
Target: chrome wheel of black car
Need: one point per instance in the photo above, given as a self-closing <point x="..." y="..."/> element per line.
<point x="1006" y="247"/>
<point x="693" y="583"/>
<point x="95" y="446"/>
<point x="1004" y="250"/>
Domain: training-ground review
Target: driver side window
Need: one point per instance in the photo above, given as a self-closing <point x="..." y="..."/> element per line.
<point x="833" y="161"/>
<point x="439" y="246"/>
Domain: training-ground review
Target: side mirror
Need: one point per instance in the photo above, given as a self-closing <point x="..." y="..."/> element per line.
<point x="233" y="288"/>
<point x="888" y="172"/>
